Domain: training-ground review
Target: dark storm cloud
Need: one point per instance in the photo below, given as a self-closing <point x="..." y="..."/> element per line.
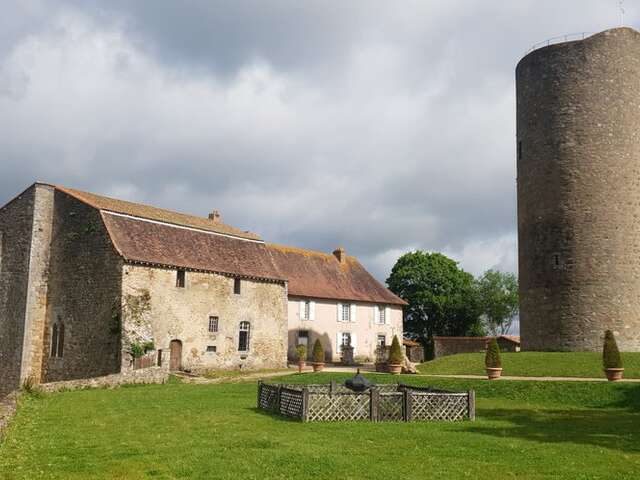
<point x="380" y="126"/>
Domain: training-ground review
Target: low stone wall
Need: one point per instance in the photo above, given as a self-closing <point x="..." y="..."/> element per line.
<point x="443" y="346"/>
<point x="143" y="376"/>
<point x="8" y="405"/>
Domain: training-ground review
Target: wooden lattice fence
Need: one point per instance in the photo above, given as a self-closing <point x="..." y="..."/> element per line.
<point x="332" y="402"/>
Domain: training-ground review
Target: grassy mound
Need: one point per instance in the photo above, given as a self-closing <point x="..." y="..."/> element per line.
<point x="533" y="364"/>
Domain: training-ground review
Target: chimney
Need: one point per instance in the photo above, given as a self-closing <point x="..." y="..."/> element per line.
<point x="340" y="254"/>
<point x="215" y="217"/>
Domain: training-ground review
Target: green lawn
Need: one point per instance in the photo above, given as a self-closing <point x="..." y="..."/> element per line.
<point x="533" y="364"/>
<point x="525" y="430"/>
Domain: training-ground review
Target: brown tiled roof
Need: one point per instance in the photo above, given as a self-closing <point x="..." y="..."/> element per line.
<point x="153" y="213"/>
<point x="321" y="275"/>
<point x="154" y="243"/>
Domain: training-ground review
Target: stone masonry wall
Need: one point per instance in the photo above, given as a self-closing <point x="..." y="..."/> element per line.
<point x="16" y="221"/>
<point x="156" y="309"/>
<point x="36" y="306"/>
<point x="578" y="112"/>
<point x="84" y="293"/>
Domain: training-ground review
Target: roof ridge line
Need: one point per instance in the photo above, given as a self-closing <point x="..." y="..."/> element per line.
<point x="175" y="225"/>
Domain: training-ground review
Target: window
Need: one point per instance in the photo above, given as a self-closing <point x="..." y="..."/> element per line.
<point x="307" y="309"/>
<point x="212" y="349"/>
<point x="160" y="357"/>
<point x="519" y="149"/>
<point x="213" y="324"/>
<point x="57" y="339"/>
<point x="346" y="312"/>
<point x="346" y="339"/>
<point x="382" y="315"/>
<point x="236" y="286"/>
<point x="303" y="337"/>
<point x="181" y="276"/>
<point x="381" y="341"/>
<point x="243" y="337"/>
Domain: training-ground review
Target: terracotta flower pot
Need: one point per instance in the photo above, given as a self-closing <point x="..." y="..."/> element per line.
<point x="493" y="373"/>
<point x="394" y="368"/>
<point x="301" y="365"/>
<point x="614" y="374"/>
<point x="318" y="366"/>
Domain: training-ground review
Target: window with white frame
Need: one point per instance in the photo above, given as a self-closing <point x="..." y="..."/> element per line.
<point x="244" y="337"/>
<point x="306" y="310"/>
<point x="381" y="341"/>
<point x="346" y="339"/>
<point x="382" y="312"/>
<point x="213" y="324"/>
<point x="346" y="312"/>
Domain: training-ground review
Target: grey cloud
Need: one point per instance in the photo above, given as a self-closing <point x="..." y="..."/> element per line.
<point x="379" y="126"/>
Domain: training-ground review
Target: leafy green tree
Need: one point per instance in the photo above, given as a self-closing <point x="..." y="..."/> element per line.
<point x="498" y="297"/>
<point x="442" y="297"/>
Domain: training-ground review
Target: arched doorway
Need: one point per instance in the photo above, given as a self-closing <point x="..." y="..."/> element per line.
<point x="175" y="355"/>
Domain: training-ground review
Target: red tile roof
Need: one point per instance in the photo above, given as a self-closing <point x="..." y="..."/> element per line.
<point x="162" y="244"/>
<point x="321" y="275"/>
<point x="150" y="235"/>
<point x="161" y="215"/>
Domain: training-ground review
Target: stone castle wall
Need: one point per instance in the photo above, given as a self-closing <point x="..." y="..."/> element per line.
<point x="16" y="224"/>
<point x="84" y="294"/>
<point x="578" y="117"/>
<point x="154" y="308"/>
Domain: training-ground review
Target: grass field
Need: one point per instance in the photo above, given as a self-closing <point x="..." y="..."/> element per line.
<point x="533" y="364"/>
<point x="530" y="430"/>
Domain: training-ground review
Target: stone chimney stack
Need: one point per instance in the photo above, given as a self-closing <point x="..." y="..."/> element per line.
<point x="340" y="254"/>
<point x="215" y="217"/>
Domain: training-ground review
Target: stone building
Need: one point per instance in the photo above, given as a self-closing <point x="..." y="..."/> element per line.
<point x="578" y="158"/>
<point x="87" y="283"/>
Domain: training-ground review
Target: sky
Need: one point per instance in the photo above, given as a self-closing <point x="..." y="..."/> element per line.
<point x="382" y="127"/>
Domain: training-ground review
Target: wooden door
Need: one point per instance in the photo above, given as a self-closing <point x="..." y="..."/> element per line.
<point x="175" y="355"/>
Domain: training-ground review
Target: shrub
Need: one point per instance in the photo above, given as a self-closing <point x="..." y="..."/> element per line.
<point x="395" y="355"/>
<point x="301" y="352"/>
<point x="140" y="349"/>
<point x="610" y="353"/>
<point x="492" y="357"/>
<point x="318" y="352"/>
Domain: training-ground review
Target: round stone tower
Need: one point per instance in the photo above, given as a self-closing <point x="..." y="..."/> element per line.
<point x="578" y="151"/>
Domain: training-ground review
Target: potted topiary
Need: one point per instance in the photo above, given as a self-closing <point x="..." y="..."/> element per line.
<point x="395" y="357"/>
<point x="301" y="352"/>
<point x="318" y="356"/>
<point x="492" y="361"/>
<point x="611" y="360"/>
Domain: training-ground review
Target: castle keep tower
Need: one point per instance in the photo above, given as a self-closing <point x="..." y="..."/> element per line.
<point x="578" y="150"/>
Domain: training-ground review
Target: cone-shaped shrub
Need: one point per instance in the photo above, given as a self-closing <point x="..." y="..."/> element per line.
<point x="395" y="355"/>
<point x="492" y="357"/>
<point x="318" y="352"/>
<point x="610" y="353"/>
<point x="301" y="350"/>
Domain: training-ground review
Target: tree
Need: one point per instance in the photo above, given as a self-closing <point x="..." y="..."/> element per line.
<point x="610" y="353"/>
<point x="492" y="356"/>
<point x="395" y="354"/>
<point x="442" y="297"/>
<point x="498" y="297"/>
